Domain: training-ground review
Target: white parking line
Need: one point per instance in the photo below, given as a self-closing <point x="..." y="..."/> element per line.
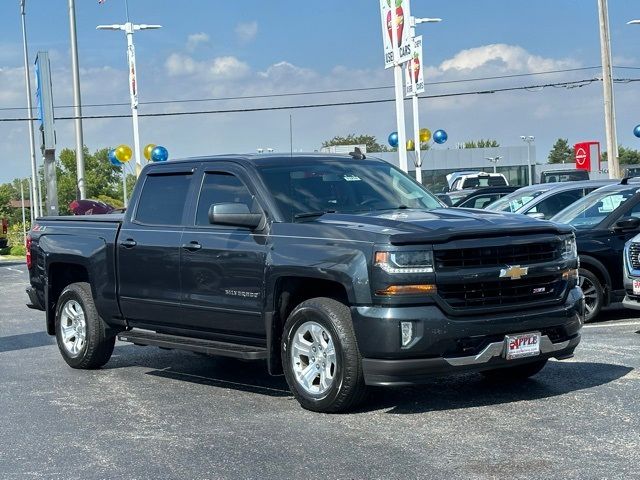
<point x="624" y="324"/>
<point x="13" y="269"/>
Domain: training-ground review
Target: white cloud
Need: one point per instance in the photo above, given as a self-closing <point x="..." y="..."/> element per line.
<point x="505" y="58"/>
<point x="196" y="39"/>
<point x="246" y="31"/>
<point x="221" y="67"/>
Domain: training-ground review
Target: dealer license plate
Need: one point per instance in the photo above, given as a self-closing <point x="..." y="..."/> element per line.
<point x="636" y="287"/>
<point x="521" y="346"/>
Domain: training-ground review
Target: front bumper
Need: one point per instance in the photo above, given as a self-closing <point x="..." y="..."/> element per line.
<point x="445" y="344"/>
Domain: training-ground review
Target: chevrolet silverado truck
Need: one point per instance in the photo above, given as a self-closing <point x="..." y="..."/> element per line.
<point x="339" y="272"/>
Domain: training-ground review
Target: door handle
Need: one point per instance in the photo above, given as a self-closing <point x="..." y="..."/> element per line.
<point x="192" y="246"/>
<point x="129" y="243"/>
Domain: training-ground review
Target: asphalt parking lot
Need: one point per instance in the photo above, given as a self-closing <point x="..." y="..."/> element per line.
<point x="161" y="414"/>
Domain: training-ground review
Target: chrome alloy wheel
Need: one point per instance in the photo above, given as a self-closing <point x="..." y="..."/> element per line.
<point x="590" y="294"/>
<point x="313" y="358"/>
<point x="73" y="328"/>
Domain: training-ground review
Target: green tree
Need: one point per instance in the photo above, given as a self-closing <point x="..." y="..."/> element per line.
<point x="488" y="143"/>
<point x="561" y="152"/>
<point x="626" y="156"/>
<point x="102" y="179"/>
<point x="7" y="193"/>
<point x="353" y="139"/>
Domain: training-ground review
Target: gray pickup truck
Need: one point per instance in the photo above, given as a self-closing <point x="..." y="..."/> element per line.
<point x="338" y="272"/>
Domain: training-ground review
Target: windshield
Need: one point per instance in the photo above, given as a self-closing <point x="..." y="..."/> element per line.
<point x="514" y="202"/>
<point x="594" y="208"/>
<point x="343" y="187"/>
<point x="484" y="181"/>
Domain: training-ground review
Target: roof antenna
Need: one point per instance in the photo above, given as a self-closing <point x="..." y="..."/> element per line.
<point x="357" y="154"/>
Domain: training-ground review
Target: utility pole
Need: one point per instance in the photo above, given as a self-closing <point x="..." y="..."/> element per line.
<point x="24" y="218"/>
<point x="77" y="101"/>
<point x="609" y="100"/>
<point x="35" y="199"/>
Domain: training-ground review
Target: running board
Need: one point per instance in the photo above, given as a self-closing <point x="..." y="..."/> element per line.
<point x="210" y="347"/>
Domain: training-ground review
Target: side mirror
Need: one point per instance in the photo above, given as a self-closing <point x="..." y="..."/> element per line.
<point x="446" y="189"/>
<point x="536" y="215"/>
<point x="235" y="215"/>
<point x="626" y="224"/>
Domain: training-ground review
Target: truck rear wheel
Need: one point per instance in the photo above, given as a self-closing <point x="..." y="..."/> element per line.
<point x="322" y="363"/>
<point x="81" y="333"/>
<point x="518" y="372"/>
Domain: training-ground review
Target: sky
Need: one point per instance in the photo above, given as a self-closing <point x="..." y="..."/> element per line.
<point x="209" y="49"/>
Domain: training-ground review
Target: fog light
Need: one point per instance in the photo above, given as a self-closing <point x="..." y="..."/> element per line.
<point x="407" y="332"/>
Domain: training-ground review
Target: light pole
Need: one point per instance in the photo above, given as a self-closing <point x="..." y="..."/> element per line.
<point x="129" y="28"/>
<point x="413" y="21"/>
<point x="24" y="218"/>
<point x="529" y="139"/>
<point x="32" y="143"/>
<point x="495" y="161"/>
<point x="77" y="101"/>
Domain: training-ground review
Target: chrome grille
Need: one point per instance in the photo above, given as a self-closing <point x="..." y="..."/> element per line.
<point x="634" y="251"/>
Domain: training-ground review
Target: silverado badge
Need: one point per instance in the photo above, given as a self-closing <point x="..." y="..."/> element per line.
<point x="514" y="273"/>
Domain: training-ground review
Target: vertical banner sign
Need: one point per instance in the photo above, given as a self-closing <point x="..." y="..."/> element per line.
<point x="133" y="87"/>
<point x="415" y="71"/>
<point x="583" y="156"/>
<point x="398" y="9"/>
<point x="44" y="97"/>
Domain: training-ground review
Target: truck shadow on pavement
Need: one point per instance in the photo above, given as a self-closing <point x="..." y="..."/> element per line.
<point x="24" y="341"/>
<point x="473" y="390"/>
<point x="446" y="393"/>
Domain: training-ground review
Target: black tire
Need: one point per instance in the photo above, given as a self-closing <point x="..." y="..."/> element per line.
<point x="347" y="388"/>
<point x="98" y="345"/>
<point x="594" y="294"/>
<point x="515" y="373"/>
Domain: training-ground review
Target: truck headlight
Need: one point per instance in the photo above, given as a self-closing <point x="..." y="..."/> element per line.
<point x="569" y="248"/>
<point x="405" y="262"/>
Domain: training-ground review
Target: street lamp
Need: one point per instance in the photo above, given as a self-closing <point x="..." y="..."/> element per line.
<point x="129" y="28"/>
<point x="634" y="22"/>
<point x="529" y="139"/>
<point x="413" y="21"/>
<point x="32" y="143"/>
<point x="495" y="161"/>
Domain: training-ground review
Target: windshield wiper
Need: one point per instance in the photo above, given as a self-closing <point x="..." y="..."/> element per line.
<point x="319" y="213"/>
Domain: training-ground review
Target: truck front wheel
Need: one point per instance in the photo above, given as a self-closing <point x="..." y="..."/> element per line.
<point x="322" y="363"/>
<point x="81" y="334"/>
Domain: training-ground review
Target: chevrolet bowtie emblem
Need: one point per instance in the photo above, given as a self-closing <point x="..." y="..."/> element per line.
<point x="514" y="273"/>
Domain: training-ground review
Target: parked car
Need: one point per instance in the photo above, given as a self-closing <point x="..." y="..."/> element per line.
<point x="466" y="180"/>
<point x="90" y="207"/>
<point x="604" y="221"/>
<point x="4" y="229"/>
<point x="476" y="197"/>
<point x="570" y="175"/>
<point x="544" y="201"/>
<point x="631" y="261"/>
<point x="340" y="273"/>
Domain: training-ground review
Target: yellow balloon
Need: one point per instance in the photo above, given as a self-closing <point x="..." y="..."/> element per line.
<point x="411" y="145"/>
<point x="147" y="151"/>
<point x="425" y="135"/>
<point x="124" y="153"/>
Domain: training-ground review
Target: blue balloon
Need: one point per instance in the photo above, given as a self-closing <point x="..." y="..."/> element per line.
<point x="393" y="139"/>
<point x="440" y="137"/>
<point x="636" y="131"/>
<point x="112" y="158"/>
<point x="159" y="154"/>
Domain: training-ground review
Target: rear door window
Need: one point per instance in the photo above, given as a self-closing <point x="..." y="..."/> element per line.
<point x="163" y="199"/>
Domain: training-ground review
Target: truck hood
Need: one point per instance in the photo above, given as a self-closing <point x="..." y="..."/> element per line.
<point x="409" y="227"/>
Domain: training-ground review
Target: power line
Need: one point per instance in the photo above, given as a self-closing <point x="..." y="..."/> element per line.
<point x="568" y="85"/>
<point x="320" y="92"/>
